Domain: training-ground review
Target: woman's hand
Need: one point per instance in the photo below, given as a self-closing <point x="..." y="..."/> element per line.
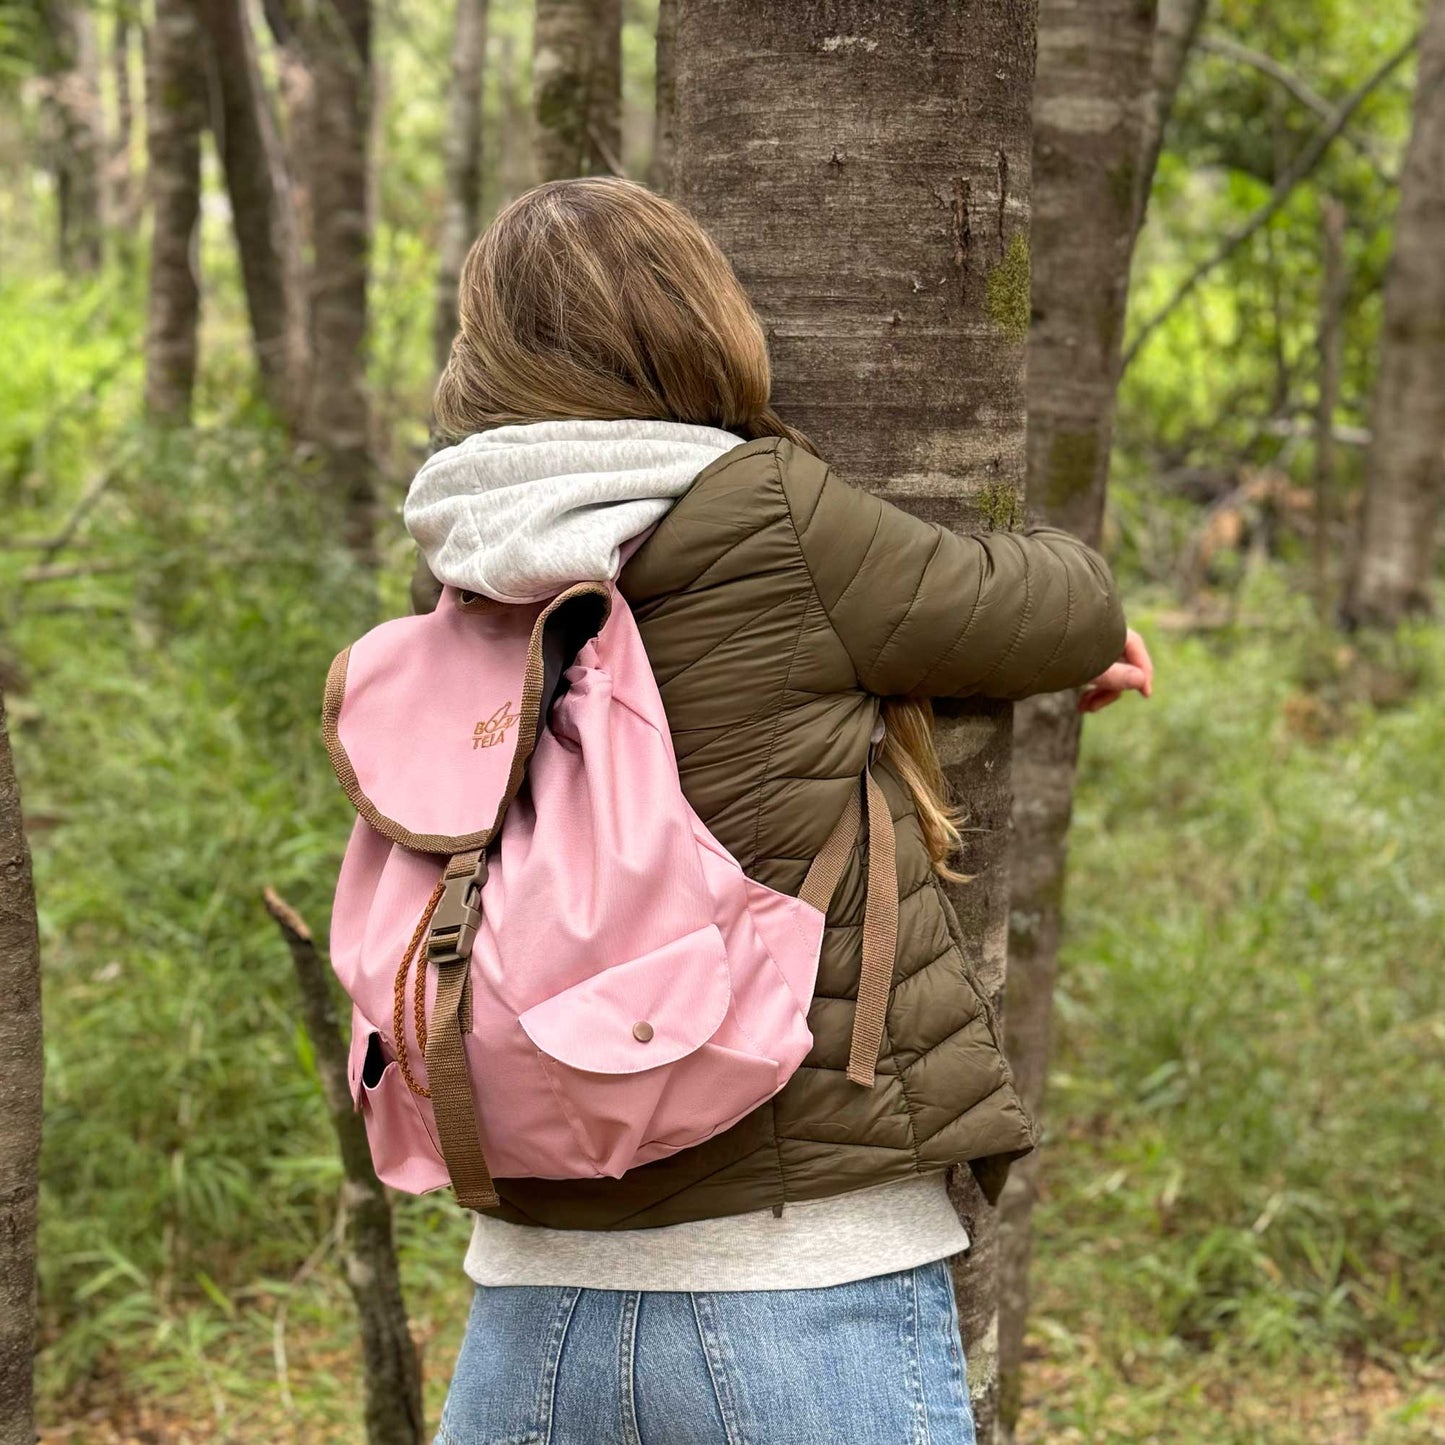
<point x="1134" y="672"/>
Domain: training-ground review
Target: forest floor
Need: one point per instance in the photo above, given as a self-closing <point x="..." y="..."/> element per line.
<point x="1239" y="1238"/>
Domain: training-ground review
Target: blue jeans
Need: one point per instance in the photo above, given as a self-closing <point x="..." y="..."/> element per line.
<point x="876" y="1362"/>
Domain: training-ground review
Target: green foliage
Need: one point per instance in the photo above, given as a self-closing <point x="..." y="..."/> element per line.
<point x="1253" y="997"/>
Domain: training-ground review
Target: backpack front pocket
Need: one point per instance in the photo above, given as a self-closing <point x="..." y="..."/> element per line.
<point x="643" y="1058"/>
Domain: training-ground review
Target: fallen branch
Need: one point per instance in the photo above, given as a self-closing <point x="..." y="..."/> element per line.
<point x="70" y="571"/>
<point x="1303" y="166"/>
<point x="390" y="1366"/>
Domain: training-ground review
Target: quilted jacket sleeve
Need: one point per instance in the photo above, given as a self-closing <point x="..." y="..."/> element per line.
<point x="926" y="612"/>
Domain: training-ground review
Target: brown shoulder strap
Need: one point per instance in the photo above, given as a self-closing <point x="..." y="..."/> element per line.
<point x="880" y="939"/>
<point x="880" y="917"/>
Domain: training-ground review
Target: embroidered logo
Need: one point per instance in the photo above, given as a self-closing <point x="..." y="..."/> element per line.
<point x="489" y="732"/>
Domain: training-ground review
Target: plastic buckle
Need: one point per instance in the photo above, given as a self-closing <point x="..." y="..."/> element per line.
<point x="456" y="920"/>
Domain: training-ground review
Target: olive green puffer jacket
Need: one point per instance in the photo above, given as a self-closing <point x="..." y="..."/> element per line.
<point x="778" y="605"/>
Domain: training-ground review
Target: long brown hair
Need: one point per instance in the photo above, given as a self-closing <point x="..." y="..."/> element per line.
<point x="597" y="299"/>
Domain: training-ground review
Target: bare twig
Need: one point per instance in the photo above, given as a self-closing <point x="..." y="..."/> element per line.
<point x="70" y="571"/>
<point x="609" y="158"/>
<point x="66" y="536"/>
<point x="1267" y="65"/>
<point x="1304" y="164"/>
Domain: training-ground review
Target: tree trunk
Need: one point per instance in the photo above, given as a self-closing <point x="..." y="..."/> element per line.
<point x="176" y="112"/>
<point x="262" y="212"/>
<point x="1176" y="27"/>
<point x="577" y="87"/>
<point x="462" y="204"/>
<point x="1334" y="285"/>
<point x="1403" y="471"/>
<point x="124" y="203"/>
<point x="21" y="1068"/>
<point x="391" y="1371"/>
<point x="895" y="143"/>
<point x="1095" y="120"/>
<point x="76" y="124"/>
<point x="337" y="46"/>
<point x="514" y="168"/>
<point x="604" y="90"/>
<point x="665" y="105"/>
<point x="293" y="82"/>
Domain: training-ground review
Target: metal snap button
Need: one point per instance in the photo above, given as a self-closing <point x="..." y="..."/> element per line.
<point x="642" y="1031"/>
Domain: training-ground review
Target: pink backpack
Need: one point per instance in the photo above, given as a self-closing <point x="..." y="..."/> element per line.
<point x="556" y="970"/>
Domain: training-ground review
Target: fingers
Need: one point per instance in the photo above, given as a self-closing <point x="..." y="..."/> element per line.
<point x="1096" y="699"/>
<point x="1136" y="653"/>
<point x="1122" y="677"/>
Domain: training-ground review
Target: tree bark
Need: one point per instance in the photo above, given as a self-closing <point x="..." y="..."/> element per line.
<point x="21" y="1070"/>
<point x="294" y="85"/>
<point x="77" y="132"/>
<point x="462" y="204"/>
<point x="337" y="46"/>
<point x="1176" y="27"/>
<point x="665" y="102"/>
<point x="124" y="201"/>
<point x="866" y="168"/>
<point x="1405" y="467"/>
<point x="176" y="112"/>
<point x="1096" y="120"/>
<point x="515" y="164"/>
<point x="391" y="1368"/>
<point x="1334" y="284"/>
<point x="577" y="87"/>
<point x="262" y="213"/>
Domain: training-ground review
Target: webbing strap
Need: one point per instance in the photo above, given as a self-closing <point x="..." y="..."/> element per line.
<point x="880" y="917"/>
<point x="827" y="867"/>
<point x="451" y="1091"/>
<point x="880" y="940"/>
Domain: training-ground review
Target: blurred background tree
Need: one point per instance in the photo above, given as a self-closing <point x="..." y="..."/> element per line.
<point x="229" y="238"/>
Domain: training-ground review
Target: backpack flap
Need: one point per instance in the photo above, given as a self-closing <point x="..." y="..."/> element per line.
<point x="430" y="720"/>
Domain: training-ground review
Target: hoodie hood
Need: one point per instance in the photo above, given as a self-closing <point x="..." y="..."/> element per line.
<point x="520" y="512"/>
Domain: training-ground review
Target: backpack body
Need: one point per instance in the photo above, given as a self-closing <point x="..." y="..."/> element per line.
<point x="556" y="970"/>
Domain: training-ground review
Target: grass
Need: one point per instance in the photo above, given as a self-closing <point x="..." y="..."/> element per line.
<point x="1240" y="1237"/>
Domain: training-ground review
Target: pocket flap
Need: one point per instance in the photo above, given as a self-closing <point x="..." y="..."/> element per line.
<point x="649" y="1011"/>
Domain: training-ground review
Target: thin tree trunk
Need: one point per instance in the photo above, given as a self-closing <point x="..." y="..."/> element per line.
<point x="462" y="205"/>
<point x="577" y="87"/>
<point x="604" y="90"/>
<point x="294" y="84"/>
<point x="1334" y="284"/>
<point x="1405" y="468"/>
<point x="21" y="1070"/>
<point x="514" y="169"/>
<point x="391" y="1372"/>
<point x="262" y="212"/>
<point x="1095" y="125"/>
<point x="337" y="46"/>
<point x="176" y="112"/>
<point x="1176" y="27"/>
<point x="77" y="128"/>
<point x="898" y="337"/>
<point x="124" y="199"/>
<point x="665" y="105"/>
